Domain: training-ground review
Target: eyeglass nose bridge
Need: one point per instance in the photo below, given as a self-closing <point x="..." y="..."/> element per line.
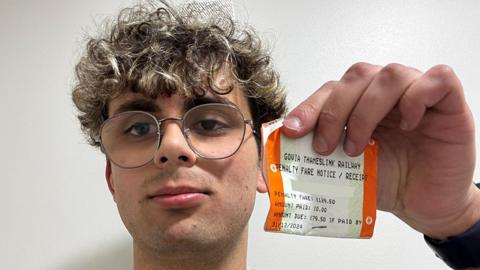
<point x="182" y="128"/>
<point x="160" y="121"/>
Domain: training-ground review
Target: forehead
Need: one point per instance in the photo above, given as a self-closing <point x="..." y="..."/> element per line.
<point x="127" y="101"/>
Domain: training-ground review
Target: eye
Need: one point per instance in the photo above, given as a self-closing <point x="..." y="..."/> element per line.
<point x="140" y="129"/>
<point x="210" y="127"/>
<point x="210" y="124"/>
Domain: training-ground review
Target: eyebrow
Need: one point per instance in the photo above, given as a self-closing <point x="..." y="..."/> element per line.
<point x="150" y="106"/>
<point x="196" y="101"/>
<point x="138" y="105"/>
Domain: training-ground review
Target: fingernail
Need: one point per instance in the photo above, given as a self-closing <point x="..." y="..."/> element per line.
<point x="403" y="125"/>
<point x="349" y="147"/>
<point x="292" y="122"/>
<point x="321" y="145"/>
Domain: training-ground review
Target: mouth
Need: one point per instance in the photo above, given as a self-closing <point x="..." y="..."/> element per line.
<point x="179" y="197"/>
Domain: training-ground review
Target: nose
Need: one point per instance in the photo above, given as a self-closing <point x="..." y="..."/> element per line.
<point x="174" y="149"/>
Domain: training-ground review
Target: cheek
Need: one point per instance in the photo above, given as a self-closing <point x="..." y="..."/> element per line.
<point x="126" y="193"/>
<point x="241" y="177"/>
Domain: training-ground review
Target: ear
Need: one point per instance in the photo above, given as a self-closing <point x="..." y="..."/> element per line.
<point x="108" y="177"/>
<point x="261" y="184"/>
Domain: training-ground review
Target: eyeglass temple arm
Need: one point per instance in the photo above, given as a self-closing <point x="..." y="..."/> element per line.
<point x="250" y="123"/>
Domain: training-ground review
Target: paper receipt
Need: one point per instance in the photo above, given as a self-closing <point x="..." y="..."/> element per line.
<point x="311" y="194"/>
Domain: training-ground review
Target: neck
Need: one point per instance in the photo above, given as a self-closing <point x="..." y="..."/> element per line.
<point x="228" y="256"/>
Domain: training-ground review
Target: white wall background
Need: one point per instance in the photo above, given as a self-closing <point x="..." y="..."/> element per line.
<point x="55" y="208"/>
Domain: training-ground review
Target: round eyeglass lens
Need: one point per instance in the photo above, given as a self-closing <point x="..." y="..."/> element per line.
<point x="130" y="139"/>
<point x="214" y="131"/>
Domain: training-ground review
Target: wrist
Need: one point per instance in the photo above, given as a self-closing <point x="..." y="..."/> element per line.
<point x="459" y="251"/>
<point x="462" y="221"/>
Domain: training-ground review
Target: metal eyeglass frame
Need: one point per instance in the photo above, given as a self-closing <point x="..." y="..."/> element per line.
<point x="183" y="129"/>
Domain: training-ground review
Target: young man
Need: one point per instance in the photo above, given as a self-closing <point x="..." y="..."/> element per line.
<point x="175" y="102"/>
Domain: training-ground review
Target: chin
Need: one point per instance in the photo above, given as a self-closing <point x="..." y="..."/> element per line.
<point x="181" y="238"/>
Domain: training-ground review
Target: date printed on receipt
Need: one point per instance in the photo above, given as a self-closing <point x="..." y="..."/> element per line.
<point x="311" y="194"/>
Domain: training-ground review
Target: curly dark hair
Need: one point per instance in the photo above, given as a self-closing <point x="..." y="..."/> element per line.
<point x="157" y="50"/>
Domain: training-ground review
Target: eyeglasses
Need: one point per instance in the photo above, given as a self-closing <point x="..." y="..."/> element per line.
<point x="213" y="131"/>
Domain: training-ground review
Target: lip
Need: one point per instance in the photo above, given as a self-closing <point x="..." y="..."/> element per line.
<point x="179" y="197"/>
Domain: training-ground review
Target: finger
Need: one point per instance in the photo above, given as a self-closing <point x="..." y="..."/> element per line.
<point x="303" y="118"/>
<point x="337" y="108"/>
<point x="438" y="88"/>
<point x="376" y="102"/>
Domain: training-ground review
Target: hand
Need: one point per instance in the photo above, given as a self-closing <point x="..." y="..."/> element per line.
<point x="425" y="134"/>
